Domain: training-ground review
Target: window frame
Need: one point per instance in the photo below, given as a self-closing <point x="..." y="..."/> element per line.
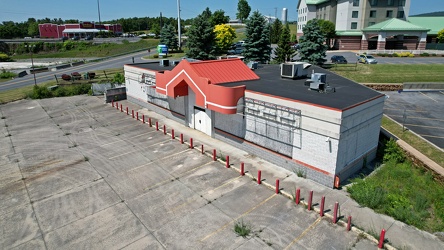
<point x="356" y="3"/>
<point x="354" y="24"/>
<point x="357" y="14"/>
<point x="372" y="12"/>
<point x="389" y="14"/>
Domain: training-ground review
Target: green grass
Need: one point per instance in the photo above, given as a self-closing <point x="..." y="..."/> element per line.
<point x="98" y="50"/>
<point x="387" y="73"/>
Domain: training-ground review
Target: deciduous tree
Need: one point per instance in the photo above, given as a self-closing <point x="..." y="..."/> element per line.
<point x="243" y="10"/>
<point x="225" y="35"/>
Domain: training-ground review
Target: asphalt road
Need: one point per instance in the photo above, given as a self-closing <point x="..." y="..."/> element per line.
<point x="351" y="58"/>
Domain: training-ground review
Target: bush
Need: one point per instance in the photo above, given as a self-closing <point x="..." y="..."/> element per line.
<point x="156" y="56"/>
<point x="7" y="75"/>
<point x="396" y="55"/>
<point x="393" y="152"/>
<point x="425" y="54"/>
<point x="5" y="58"/>
<point x="41" y="92"/>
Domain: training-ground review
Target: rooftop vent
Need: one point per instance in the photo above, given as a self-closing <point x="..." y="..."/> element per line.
<point x="294" y="70"/>
<point x="165" y="62"/>
<point x="252" y="65"/>
<point x="318" y="82"/>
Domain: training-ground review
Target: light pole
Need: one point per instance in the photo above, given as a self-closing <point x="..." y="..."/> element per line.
<point x="178" y="21"/>
<point x="32" y="61"/>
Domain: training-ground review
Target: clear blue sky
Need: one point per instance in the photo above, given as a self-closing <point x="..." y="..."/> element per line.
<point x="86" y="10"/>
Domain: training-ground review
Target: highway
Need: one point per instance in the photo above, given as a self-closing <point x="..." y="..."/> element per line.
<point x="114" y="62"/>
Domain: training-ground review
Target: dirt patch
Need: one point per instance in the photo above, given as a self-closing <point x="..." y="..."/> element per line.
<point x="385" y="87"/>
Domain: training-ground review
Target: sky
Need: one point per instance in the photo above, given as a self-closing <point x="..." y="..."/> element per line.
<point x="87" y="10"/>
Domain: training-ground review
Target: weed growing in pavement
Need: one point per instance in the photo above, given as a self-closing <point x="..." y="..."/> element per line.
<point x="85" y="158"/>
<point x="3" y="117"/>
<point x="67" y="133"/>
<point x="242" y="229"/>
<point x="222" y="157"/>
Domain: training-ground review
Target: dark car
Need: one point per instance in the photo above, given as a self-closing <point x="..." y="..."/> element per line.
<point x="75" y="38"/>
<point x="88" y="38"/>
<point x="236" y="51"/>
<point x="338" y="59"/>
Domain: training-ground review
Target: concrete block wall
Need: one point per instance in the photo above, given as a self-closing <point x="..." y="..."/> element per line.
<point x="162" y="111"/>
<point x="115" y="94"/>
<point x="279" y="160"/>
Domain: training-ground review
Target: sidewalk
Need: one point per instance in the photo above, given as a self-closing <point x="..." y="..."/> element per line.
<point x="398" y="234"/>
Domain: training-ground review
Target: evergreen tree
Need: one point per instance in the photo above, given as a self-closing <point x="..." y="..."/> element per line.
<point x="312" y="43"/>
<point x="257" y="43"/>
<point x="168" y="37"/>
<point x="243" y="10"/>
<point x="284" y="52"/>
<point x="201" y="39"/>
<point x="276" y="30"/>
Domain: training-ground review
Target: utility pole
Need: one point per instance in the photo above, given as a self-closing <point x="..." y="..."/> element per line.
<point x="275" y="12"/>
<point x="178" y="22"/>
<point x="160" y="20"/>
<point x="98" y="9"/>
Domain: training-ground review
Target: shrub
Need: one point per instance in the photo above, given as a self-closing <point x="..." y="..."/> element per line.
<point x="396" y="55"/>
<point x="4" y="58"/>
<point x="156" y="56"/>
<point x="7" y="74"/>
<point x="425" y="54"/>
<point x="393" y="152"/>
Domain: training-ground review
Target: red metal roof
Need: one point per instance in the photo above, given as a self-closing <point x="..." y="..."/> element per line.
<point x="224" y="71"/>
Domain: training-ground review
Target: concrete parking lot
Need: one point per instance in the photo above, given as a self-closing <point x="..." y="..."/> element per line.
<point x="77" y="174"/>
<point x="420" y="112"/>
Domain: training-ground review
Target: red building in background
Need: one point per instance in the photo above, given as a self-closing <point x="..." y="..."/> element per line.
<point x="82" y="29"/>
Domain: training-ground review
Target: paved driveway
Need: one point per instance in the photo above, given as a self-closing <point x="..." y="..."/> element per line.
<point x="76" y="174"/>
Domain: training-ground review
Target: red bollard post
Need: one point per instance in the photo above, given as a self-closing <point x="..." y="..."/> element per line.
<point x="127" y="111"/>
<point x="227" y="163"/>
<point x="259" y="177"/>
<point x="202" y="148"/>
<point x="381" y="239"/>
<point x="132" y="112"/>
<point x="349" y="223"/>
<point x="181" y="138"/>
<point x="143" y="118"/>
<point x="335" y="213"/>
<point x="172" y="134"/>
<point x="298" y="196"/>
<point x="321" y="213"/>
<point x="277" y="186"/>
<point x="149" y="121"/>
<point x="164" y="130"/>
<point x="242" y="170"/>
<point x="310" y="200"/>
<point x="157" y="125"/>
<point x="214" y="154"/>
<point x="191" y="143"/>
<point x="121" y="108"/>
<point x="137" y="115"/>
<point x="112" y="103"/>
<point x="117" y="105"/>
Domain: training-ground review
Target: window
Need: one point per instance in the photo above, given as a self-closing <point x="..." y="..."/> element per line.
<point x="354" y="25"/>
<point x="401" y="2"/>
<point x="372" y="13"/>
<point x="373" y="2"/>
<point x="400" y="14"/>
<point x="355" y="14"/>
<point x="389" y="14"/>
<point x="390" y="2"/>
<point x="371" y="23"/>
<point x="355" y="2"/>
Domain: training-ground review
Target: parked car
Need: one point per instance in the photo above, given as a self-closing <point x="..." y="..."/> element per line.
<point x="64" y="38"/>
<point x="338" y="59"/>
<point x="88" y="38"/>
<point x="75" y="38"/>
<point x="367" y="59"/>
<point x="236" y="51"/>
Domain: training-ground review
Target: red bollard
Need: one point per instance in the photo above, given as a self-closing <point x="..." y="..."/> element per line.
<point x="298" y="196"/>
<point x="321" y="213"/>
<point x="112" y="103"/>
<point x="117" y="105"/>
<point x="381" y="239"/>
<point x="149" y="121"/>
<point x="259" y="177"/>
<point x="335" y="213"/>
<point x="349" y="223"/>
<point x="143" y="118"/>
<point x="242" y="170"/>
<point x="157" y="125"/>
<point x="191" y="143"/>
<point x="164" y="130"/>
<point x="137" y="115"/>
<point x="202" y="148"/>
<point x="214" y="154"/>
<point x="277" y="186"/>
<point x="227" y="163"/>
<point x="310" y="200"/>
<point x="181" y="138"/>
<point x="127" y="111"/>
<point x="132" y="112"/>
<point x="172" y="134"/>
<point x="121" y="108"/>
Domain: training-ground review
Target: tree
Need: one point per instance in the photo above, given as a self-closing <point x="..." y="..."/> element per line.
<point x="329" y="30"/>
<point x="155" y="29"/>
<point x="312" y="43"/>
<point x="201" y="39"/>
<point x="243" y="10"/>
<point x="257" y="41"/>
<point x="440" y="36"/>
<point x="219" y="17"/>
<point x="168" y="37"/>
<point x="284" y="52"/>
<point x="225" y="35"/>
<point x="118" y="78"/>
<point x="276" y="30"/>
<point x="33" y="29"/>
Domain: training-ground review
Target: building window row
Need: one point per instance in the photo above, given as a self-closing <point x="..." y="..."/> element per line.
<point x="389" y="14"/>
<point x="302" y="10"/>
<point x="373" y="2"/>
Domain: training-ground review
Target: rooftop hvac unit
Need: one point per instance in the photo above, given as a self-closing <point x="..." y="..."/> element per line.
<point x="294" y="70"/>
<point x="319" y="77"/>
<point x="165" y="62"/>
<point x="252" y="64"/>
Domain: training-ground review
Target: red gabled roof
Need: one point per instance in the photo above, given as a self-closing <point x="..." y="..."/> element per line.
<point x="224" y="71"/>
